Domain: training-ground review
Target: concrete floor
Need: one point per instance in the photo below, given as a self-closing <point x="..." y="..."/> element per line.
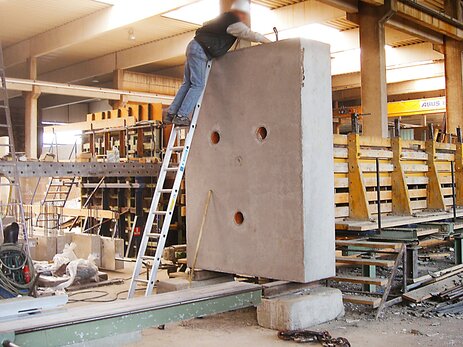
<point x="240" y="328"/>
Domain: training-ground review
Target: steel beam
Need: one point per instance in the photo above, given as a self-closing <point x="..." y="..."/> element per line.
<point x="82" y="324"/>
<point x="50" y="169"/>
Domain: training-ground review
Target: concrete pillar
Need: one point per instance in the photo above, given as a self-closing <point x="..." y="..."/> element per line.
<point x="373" y="70"/>
<point x="453" y="84"/>
<point x="31" y="113"/>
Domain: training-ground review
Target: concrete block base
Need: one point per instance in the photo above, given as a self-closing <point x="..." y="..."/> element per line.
<point x="174" y="284"/>
<point x="46" y="248"/>
<point x="293" y="312"/>
<point x="110" y="250"/>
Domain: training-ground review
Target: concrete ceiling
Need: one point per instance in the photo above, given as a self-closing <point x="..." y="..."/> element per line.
<point x="22" y="19"/>
<point x="80" y="41"/>
<point x="148" y="30"/>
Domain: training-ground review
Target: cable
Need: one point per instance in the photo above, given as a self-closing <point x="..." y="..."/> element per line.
<point x="101" y="294"/>
<point x="13" y="261"/>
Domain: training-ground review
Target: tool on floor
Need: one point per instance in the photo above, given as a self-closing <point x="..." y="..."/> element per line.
<point x="155" y="215"/>
<point x="14" y="205"/>
<point x="275" y="30"/>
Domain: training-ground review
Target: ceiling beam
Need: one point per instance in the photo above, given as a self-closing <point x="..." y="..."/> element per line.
<point x="140" y="55"/>
<point x="114" y="17"/>
<point x="349" y="6"/>
<point x="304" y="13"/>
<point x="374" y="2"/>
<point x="429" y="18"/>
<point x="84" y="91"/>
<point x="394" y="75"/>
<point x="420" y="86"/>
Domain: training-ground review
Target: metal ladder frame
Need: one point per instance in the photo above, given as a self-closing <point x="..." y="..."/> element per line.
<point x="58" y="197"/>
<point x="15" y="186"/>
<point x="159" y="191"/>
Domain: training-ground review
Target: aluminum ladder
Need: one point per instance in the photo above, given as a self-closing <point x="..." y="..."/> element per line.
<point x="57" y="194"/>
<point x="154" y="214"/>
<point x="14" y="205"/>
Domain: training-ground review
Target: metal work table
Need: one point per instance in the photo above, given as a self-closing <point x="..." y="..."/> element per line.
<point x="71" y="325"/>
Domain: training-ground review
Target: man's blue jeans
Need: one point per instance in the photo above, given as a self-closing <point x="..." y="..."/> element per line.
<point x="193" y="81"/>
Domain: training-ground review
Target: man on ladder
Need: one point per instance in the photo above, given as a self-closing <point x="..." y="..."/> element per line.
<point x="213" y="40"/>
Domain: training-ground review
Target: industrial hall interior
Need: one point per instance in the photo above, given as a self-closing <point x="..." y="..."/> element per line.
<point x="230" y="173"/>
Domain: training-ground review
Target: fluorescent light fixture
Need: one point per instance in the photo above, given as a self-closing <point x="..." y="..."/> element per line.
<point x="196" y="13"/>
<point x="204" y="10"/>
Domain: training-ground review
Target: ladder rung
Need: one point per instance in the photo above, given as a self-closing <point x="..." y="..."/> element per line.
<point x="3" y="106"/>
<point x="177" y="148"/>
<point x="166" y="190"/>
<point x="4" y="144"/>
<point x="4" y="125"/>
<point x="141" y="280"/>
<point x="170" y="169"/>
<point x="148" y="257"/>
<point x="153" y="235"/>
<point x="161" y="213"/>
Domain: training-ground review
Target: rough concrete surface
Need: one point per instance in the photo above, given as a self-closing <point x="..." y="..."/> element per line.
<point x="283" y="184"/>
<point x="301" y="311"/>
<point x="399" y="327"/>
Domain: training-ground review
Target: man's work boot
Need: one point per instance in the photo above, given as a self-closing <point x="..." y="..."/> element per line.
<point x="181" y="121"/>
<point x="167" y="117"/>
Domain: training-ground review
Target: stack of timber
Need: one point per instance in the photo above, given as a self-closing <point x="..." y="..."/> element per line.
<point x="435" y="284"/>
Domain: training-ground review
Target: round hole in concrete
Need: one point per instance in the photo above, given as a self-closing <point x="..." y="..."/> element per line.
<point x="261" y="133"/>
<point x="239" y="218"/>
<point x="215" y="137"/>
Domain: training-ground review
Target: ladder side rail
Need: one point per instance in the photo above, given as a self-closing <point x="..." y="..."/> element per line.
<point x="151" y="215"/>
<point x="9" y="124"/>
<point x="175" y="189"/>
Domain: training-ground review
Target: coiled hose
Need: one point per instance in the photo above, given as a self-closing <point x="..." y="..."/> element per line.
<point x="17" y="273"/>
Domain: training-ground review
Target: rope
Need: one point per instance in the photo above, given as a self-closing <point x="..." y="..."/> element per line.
<point x="206" y="208"/>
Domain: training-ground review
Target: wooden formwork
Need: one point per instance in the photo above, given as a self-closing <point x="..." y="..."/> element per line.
<point x="415" y="180"/>
<point x="140" y="112"/>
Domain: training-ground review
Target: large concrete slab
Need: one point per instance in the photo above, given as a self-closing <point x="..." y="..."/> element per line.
<point x="282" y="185"/>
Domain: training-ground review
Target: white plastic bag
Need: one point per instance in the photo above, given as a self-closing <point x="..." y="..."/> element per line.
<point x="80" y="269"/>
<point x="66" y="257"/>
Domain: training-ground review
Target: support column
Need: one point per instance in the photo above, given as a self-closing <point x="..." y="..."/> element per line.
<point x="31" y="113"/>
<point x="373" y="66"/>
<point x="453" y="84"/>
